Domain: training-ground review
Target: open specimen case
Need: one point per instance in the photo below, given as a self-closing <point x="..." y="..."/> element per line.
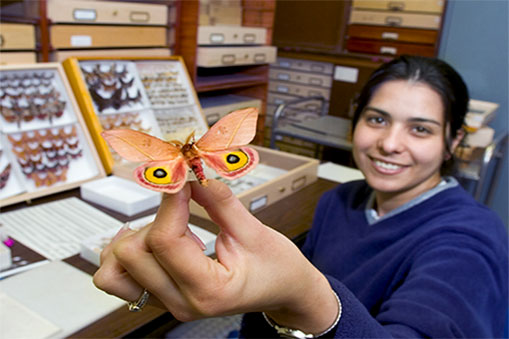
<point x="45" y="146"/>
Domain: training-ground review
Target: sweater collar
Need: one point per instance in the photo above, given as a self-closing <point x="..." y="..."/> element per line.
<point x="372" y="216"/>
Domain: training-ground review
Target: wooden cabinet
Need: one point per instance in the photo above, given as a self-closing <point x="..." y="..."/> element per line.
<point x="384" y="27"/>
<point x="247" y="80"/>
<point x="77" y="27"/>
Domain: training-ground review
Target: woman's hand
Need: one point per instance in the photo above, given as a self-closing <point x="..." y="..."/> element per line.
<point x="257" y="268"/>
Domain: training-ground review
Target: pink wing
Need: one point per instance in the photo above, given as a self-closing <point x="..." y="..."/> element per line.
<point x="232" y="131"/>
<point x="137" y="146"/>
<point x="231" y="164"/>
<point x="162" y="176"/>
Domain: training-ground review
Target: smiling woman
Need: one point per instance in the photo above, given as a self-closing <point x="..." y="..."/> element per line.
<point x="405" y="253"/>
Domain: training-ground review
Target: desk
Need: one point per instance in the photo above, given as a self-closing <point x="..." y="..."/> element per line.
<point x="282" y="215"/>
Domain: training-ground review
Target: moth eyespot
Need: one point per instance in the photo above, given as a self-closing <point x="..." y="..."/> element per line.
<point x="235" y="160"/>
<point x="158" y="175"/>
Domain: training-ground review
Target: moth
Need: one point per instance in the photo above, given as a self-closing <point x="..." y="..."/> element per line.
<point x="167" y="163"/>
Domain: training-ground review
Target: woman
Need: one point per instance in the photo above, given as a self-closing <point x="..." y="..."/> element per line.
<point x="404" y="253"/>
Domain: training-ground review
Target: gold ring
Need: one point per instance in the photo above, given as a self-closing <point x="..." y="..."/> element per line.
<point x="136" y="306"/>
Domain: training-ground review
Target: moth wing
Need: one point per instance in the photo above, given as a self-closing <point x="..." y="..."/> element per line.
<point x="162" y="176"/>
<point x="138" y="146"/>
<point x="232" y="131"/>
<point x="231" y="164"/>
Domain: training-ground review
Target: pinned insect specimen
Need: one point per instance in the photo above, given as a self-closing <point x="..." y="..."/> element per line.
<point x="110" y="87"/>
<point x="166" y="165"/>
<point x="4" y="176"/>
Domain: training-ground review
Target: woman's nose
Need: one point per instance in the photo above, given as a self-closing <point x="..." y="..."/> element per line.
<point x="391" y="141"/>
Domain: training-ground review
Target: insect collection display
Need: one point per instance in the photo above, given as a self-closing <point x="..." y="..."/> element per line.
<point x="43" y="144"/>
<point x="167" y="163"/>
<point x="154" y="96"/>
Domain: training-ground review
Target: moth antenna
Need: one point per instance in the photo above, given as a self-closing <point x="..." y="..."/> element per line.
<point x="190" y="137"/>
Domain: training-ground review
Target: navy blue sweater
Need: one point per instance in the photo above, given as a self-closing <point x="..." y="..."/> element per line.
<point x="438" y="268"/>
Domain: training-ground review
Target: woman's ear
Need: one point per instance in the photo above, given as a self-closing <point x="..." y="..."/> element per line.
<point x="460" y="134"/>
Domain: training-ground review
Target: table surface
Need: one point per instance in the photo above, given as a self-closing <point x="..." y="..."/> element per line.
<point x="282" y="216"/>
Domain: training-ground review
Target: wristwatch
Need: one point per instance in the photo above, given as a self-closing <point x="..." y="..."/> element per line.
<point x="298" y="334"/>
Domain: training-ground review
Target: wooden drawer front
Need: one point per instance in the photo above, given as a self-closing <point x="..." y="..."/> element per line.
<point x="305" y="65"/>
<point x="298" y="90"/>
<point x="106" y="12"/>
<point x="389" y="48"/>
<point x="233" y="56"/>
<point x="17" y="36"/>
<point x="301" y="77"/>
<point x="230" y="35"/>
<point x="7" y="58"/>
<point x="277" y="99"/>
<point x="80" y="36"/>
<point x="124" y="52"/>
<point x="399" y="34"/>
<point x="426" y="21"/>
<point x="430" y="6"/>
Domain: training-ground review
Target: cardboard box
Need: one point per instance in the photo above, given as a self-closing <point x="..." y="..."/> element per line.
<point x="106" y="12"/>
<point x="301" y="77"/>
<point x="217" y="106"/>
<point x="304" y="65"/>
<point x="235" y="56"/>
<point x="295" y="172"/>
<point x="399" y="19"/>
<point x="431" y="6"/>
<point x="92" y="36"/>
<point x="479" y="114"/>
<point x="7" y="58"/>
<point x="298" y="90"/>
<point x="231" y="35"/>
<point x="16" y="36"/>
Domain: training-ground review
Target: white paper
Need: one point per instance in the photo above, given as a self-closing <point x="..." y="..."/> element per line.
<point x="14" y="318"/>
<point x="55" y="230"/>
<point x="61" y="294"/>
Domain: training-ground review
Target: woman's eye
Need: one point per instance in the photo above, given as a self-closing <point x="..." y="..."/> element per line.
<point x="376" y="120"/>
<point x="422" y="130"/>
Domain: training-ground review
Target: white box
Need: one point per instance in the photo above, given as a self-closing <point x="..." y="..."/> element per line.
<point x="120" y="195"/>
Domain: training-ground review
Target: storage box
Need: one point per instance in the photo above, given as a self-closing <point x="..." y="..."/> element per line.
<point x="399" y="19"/>
<point x="301" y="77"/>
<point x="121" y="195"/>
<point x="479" y="114"/>
<point x="395" y="34"/>
<point x="95" y="36"/>
<point x="389" y="47"/>
<point x="45" y="147"/>
<point x="111" y="53"/>
<point x="276" y="99"/>
<point x="431" y="6"/>
<point x="304" y="65"/>
<point x="235" y="56"/>
<point x="16" y="36"/>
<point x="217" y="106"/>
<point x="7" y="58"/>
<point x="161" y="100"/>
<point x="106" y="12"/>
<point x="298" y="90"/>
<point x="279" y="175"/>
<point x="231" y="35"/>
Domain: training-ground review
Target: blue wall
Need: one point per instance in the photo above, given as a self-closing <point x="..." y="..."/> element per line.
<point x="475" y="41"/>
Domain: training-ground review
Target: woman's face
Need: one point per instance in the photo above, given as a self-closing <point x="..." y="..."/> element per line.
<point x="398" y="142"/>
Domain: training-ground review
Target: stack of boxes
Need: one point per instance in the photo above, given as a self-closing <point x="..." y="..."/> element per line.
<point x="17" y="43"/>
<point x="479" y="136"/>
<point x="290" y="79"/>
<point x="395" y="27"/>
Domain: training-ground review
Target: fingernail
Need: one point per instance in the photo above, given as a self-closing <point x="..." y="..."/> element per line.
<point x="122" y="230"/>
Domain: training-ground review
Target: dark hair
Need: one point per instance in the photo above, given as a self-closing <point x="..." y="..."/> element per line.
<point x="435" y="73"/>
